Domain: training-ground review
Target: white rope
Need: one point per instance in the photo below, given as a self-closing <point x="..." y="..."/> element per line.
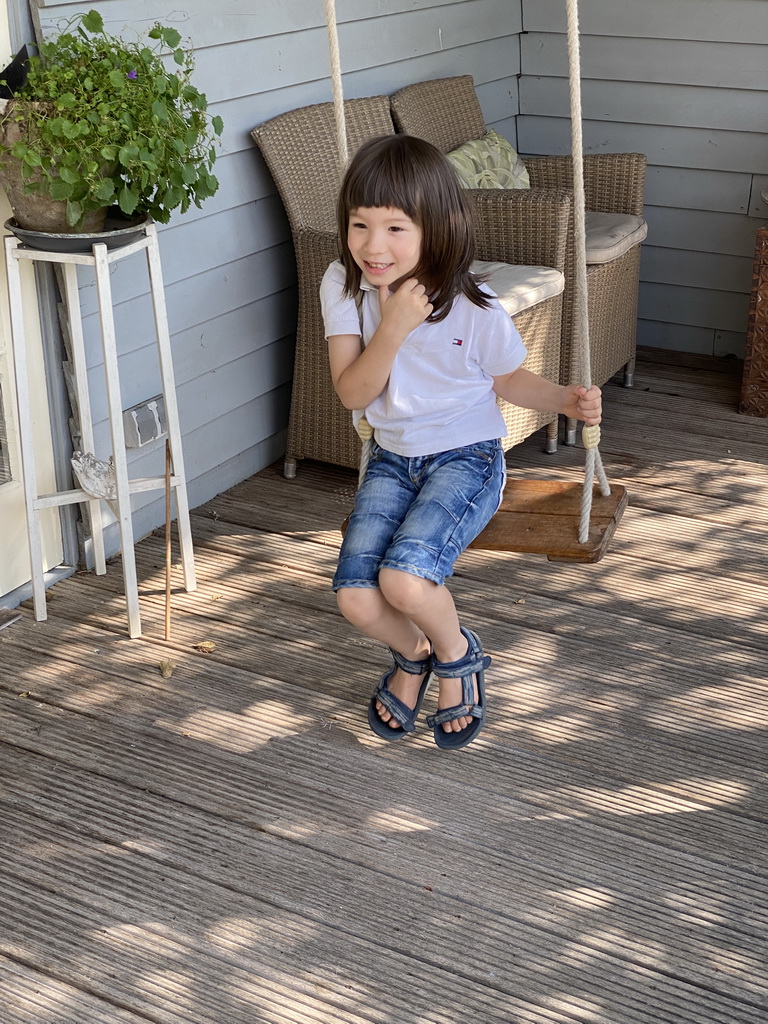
<point x="338" y="94"/>
<point x="365" y="433"/>
<point x="363" y="428"/>
<point x="591" y="436"/>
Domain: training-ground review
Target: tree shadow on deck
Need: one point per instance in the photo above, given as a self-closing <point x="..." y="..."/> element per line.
<point x="186" y="881"/>
<point x="231" y="844"/>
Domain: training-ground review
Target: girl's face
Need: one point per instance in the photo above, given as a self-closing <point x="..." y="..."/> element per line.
<point x="385" y="243"/>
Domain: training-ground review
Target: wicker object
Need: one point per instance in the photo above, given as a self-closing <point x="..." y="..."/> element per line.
<point x="754" y="381"/>
<point x="447" y="113"/>
<point x="300" y="150"/>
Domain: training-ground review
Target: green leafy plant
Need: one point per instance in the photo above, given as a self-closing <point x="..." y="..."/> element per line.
<point x="104" y="121"/>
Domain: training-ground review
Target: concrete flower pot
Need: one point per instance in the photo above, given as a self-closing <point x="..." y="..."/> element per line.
<point x="34" y="212"/>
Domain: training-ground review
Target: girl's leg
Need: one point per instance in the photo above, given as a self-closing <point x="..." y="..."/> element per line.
<point x="445" y="510"/>
<point x="460" y="491"/>
<point x="369" y="611"/>
<point x="430" y="608"/>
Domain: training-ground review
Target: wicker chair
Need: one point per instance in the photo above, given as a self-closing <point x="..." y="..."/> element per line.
<point x="300" y="150"/>
<point x="447" y="113"/>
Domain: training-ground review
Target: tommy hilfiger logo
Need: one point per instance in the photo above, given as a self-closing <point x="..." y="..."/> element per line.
<point x="458" y="341"/>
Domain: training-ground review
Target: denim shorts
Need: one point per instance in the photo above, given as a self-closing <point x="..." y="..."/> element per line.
<point x="418" y="514"/>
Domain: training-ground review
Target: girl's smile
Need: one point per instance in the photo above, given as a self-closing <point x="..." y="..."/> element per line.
<point x="385" y="243"/>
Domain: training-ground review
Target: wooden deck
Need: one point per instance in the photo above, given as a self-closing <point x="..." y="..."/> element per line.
<point x="231" y="844"/>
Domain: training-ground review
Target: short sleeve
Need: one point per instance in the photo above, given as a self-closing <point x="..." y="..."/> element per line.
<point x="499" y="349"/>
<point x="340" y="314"/>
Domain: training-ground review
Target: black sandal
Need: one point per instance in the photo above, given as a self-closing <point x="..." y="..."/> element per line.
<point x="402" y="714"/>
<point x="474" y="663"/>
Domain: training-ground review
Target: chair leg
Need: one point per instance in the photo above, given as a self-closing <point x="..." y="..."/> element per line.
<point x="629" y="373"/>
<point x="551" y="443"/>
<point x="289" y="468"/>
<point x="570" y="431"/>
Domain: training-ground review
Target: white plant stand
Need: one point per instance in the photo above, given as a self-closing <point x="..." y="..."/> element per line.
<point x="100" y="258"/>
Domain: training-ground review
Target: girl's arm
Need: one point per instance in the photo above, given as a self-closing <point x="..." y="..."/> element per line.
<point x="359" y="377"/>
<point x="530" y="391"/>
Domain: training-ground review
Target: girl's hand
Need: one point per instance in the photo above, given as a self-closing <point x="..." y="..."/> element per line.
<point x="583" y="404"/>
<point x="406" y="308"/>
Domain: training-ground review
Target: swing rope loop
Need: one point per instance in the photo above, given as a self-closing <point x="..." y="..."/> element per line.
<point x="365" y="433"/>
<point x="590" y="435"/>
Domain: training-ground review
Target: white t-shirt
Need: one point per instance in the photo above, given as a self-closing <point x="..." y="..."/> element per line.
<point x="440" y="390"/>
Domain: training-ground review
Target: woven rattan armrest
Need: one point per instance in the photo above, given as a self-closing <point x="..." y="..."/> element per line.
<point x="527" y="227"/>
<point x="613" y="182"/>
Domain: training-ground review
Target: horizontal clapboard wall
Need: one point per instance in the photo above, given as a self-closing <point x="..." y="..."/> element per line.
<point x="229" y="268"/>
<point x="685" y="83"/>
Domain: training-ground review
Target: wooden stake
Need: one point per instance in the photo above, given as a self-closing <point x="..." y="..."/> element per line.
<point x="167" y="539"/>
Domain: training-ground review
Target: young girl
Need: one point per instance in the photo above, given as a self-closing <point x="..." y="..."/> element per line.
<point x="437" y="348"/>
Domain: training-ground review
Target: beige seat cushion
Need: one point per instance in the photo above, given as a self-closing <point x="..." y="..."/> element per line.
<point x="519" y="288"/>
<point x="610" y="235"/>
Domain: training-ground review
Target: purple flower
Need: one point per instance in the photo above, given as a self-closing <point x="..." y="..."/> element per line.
<point x="132" y="74"/>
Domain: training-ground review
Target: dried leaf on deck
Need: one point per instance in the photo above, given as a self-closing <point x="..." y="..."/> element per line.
<point x="166" y="669"/>
<point x="206" y="646"/>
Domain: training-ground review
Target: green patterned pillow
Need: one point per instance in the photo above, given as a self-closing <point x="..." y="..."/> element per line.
<point x="490" y="162"/>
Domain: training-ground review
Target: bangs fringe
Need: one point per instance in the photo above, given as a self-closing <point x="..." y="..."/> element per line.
<point x="385" y="185"/>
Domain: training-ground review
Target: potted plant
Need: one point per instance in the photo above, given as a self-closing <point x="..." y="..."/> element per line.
<point x="101" y="122"/>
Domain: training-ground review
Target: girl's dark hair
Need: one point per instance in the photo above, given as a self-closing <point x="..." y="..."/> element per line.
<point x="412" y="175"/>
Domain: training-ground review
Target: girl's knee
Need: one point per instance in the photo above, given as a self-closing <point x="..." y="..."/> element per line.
<point x="403" y="590"/>
<point x="359" y="605"/>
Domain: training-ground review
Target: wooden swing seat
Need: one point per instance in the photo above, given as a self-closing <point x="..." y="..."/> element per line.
<point x="541" y="517"/>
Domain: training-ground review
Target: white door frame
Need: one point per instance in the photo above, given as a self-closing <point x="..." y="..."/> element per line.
<point x="52" y="441"/>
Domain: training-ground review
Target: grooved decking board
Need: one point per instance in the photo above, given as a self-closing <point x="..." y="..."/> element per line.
<point x="230" y="844"/>
<point x="32" y="997"/>
<point x="233" y="857"/>
<point x="432" y="931"/>
<point x="713" y="818"/>
<point x="623" y="732"/>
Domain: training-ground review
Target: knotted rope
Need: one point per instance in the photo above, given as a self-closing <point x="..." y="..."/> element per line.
<point x="363" y="428"/>
<point x="365" y="433"/>
<point x="590" y="435"/>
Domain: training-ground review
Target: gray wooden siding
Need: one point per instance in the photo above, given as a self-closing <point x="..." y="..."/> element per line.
<point x="684" y="82"/>
<point x="228" y="268"/>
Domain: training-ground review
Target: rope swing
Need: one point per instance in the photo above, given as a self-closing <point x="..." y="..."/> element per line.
<point x="590" y="435"/>
<point x="575" y="531"/>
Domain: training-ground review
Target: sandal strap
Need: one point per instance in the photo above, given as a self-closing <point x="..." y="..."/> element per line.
<point x="413" y="668"/>
<point x="401" y="713"/>
<point x="473" y="661"/>
<point x="451" y="714"/>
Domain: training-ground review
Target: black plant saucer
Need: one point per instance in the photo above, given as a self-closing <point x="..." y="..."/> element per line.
<point x="117" y="232"/>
